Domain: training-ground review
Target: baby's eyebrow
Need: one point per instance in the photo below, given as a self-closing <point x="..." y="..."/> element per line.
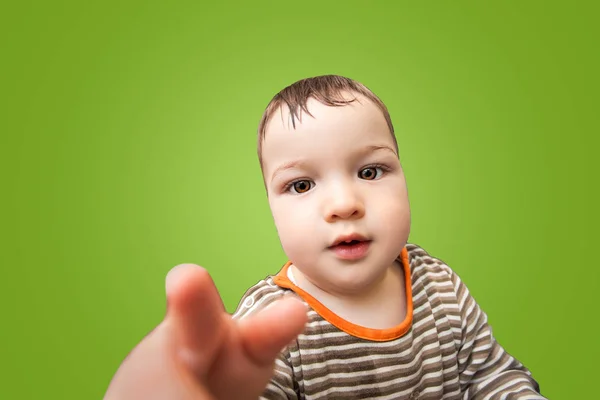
<point x="284" y="166"/>
<point x="373" y="148"/>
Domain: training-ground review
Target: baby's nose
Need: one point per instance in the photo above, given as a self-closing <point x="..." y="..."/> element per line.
<point x="345" y="205"/>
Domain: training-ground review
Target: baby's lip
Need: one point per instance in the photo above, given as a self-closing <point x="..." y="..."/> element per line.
<point x="349" y="238"/>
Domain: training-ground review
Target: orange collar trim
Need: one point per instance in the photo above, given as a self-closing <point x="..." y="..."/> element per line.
<point x="379" y="335"/>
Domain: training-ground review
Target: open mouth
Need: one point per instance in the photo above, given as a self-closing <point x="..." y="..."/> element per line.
<point x="351" y="248"/>
<point x="350" y="243"/>
<point x="349" y="240"/>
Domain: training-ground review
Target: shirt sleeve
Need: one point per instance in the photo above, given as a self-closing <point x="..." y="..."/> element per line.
<point x="281" y="386"/>
<point x="486" y="370"/>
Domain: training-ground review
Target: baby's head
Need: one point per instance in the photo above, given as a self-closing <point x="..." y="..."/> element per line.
<point x="331" y="169"/>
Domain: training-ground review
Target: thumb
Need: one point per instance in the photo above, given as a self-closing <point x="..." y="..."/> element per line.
<point x="268" y="332"/>
<point x="196" y="314"/>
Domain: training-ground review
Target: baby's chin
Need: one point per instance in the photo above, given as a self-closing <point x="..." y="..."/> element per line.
<point x="350" y="280"/>
<point x="353" y="284"/>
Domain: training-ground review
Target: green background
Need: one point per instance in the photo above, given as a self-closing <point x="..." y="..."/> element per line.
<point x="128" y="147"/>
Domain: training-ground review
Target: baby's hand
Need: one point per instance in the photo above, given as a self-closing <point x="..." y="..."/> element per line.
<point x="199" y="352"/>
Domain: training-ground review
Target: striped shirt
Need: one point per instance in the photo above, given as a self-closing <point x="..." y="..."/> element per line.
<point x="444" y="349"/>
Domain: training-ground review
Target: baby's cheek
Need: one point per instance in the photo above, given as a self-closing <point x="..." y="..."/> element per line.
<point x="295" y="235"/>
<point x="395" y="220"/>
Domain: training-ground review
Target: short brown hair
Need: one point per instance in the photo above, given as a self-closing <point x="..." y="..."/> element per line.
<point x="327" y="89"/>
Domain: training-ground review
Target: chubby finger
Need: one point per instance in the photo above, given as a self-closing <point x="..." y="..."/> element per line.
<point x="265" y="334"/>
<point x="195" y="312"/>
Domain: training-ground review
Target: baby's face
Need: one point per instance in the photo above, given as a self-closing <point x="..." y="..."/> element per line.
<point x="337" y="176"/>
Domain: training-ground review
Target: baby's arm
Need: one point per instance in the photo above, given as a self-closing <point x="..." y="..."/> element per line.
<point x="199" y="352"/>
<point x="486" y="369"/>
<point x="281" y="385"/>
<point x="256" y="300"/>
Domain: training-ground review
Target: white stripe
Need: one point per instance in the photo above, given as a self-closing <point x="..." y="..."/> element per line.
<point x="320" y="336"/>
<point x="517" y="392"/>
<point x="489" y="377"/>
<point x="506" y="385"/>
<point x="280" y="390"/>
<point x="425" y="306"/>
<point x="531" y="397"/>
<point x="423" y="321"/>
<point x="435" y="295"/>
<point x="281" y="363"/>
<point x="465" y="295"/>
<point x="492" y="361"/>
<point x="429" y="275"/>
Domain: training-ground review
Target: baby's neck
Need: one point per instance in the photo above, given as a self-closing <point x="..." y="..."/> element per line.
<point x="380" y="306"/>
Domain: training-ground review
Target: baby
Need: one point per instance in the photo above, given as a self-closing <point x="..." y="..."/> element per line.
<point x="385" y="319"/>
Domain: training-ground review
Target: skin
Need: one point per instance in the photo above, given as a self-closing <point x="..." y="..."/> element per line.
<point x="338" y="173"/>
<point x="198" y="351"/>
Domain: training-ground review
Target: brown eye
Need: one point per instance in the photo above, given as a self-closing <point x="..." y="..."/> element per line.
<point x="370" y="173"/>
<point x="301" y="186"/>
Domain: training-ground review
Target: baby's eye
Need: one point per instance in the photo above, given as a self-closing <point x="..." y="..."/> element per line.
<point x="370" y="173"/>
<point x="302" y="186"/>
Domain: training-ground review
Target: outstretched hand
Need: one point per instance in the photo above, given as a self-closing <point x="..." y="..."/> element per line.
<point x="199" y="352"/>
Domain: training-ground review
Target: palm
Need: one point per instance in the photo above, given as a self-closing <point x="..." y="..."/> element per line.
<point x="199" y="352"/>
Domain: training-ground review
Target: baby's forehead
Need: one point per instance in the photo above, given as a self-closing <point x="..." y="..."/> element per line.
<point x="316" y="112"/>
<point x="320" y="128"/>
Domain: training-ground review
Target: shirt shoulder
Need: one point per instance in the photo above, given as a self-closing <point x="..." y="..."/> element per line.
<point x="258" y="297"/>
<point x="421" y="262"/>
<point x="432" y="279"/>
